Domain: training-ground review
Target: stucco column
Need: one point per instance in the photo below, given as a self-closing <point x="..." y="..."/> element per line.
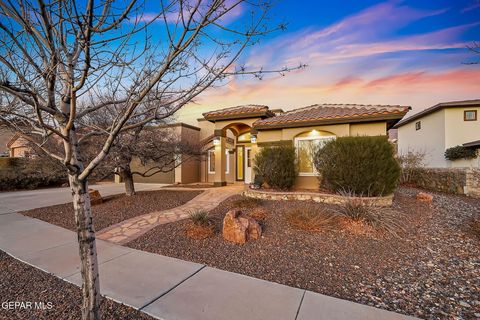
<point x="220" y="159"/>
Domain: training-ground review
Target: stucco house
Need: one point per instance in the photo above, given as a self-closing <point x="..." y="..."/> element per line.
<point x="232" y="136"/>
<point x="442" y="126"/>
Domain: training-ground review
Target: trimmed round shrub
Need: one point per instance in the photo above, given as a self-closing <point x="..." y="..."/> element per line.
<point x="361" y="165"/>
<point x="277" y="166"/>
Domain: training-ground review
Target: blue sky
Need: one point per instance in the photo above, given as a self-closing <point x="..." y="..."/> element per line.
<point x="375" y="52"/>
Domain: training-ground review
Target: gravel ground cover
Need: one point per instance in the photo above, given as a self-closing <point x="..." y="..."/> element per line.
<point x="115" y="209"/>
<point x="431" y="271"/>
<point x="23" y="283"/>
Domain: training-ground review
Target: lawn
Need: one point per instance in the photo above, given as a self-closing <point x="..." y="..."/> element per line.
<point x="23" y="283"/>
<point x="430" y="270"/>
<point x="115" y="209"/>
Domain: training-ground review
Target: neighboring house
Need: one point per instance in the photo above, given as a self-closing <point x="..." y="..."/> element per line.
<point x="435" y="129"/>
<point x="231" y="137"/>
<point x="18" y="146"/>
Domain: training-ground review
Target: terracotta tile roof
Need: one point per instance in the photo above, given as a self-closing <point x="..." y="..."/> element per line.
<point x="245" y="111"/>
<point x="439" y="106"/>
<point x="333" y="113"/>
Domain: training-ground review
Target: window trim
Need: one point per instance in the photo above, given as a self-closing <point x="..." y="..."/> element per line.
<point x="465" y="115"/>
<point x="315" y="172"/>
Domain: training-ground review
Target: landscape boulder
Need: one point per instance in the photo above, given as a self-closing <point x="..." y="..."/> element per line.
<point x="95" y="197"/>
<point x="239" y="228"/>
<point x="424" y="197"/>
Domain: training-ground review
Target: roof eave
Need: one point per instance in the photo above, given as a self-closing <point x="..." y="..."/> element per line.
<point x="391" y="117"/>
<point x="262" y="114"/>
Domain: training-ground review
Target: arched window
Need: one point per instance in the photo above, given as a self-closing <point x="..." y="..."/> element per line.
<point x="306" y="146"/>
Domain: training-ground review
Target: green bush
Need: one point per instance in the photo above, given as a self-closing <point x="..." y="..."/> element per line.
<point x="23" y="173"/>
<point x="362" y="165"/>
<point x="277" y="166"/>
<point x="460" y="152"/>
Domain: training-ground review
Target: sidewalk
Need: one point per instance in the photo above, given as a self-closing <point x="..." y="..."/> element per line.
<point x="13" y="201"/>
<point x="133" y="228"/>
<point x="168" y="288"/>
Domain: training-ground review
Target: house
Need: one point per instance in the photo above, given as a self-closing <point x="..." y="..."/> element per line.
<point x="435" y="129"/>
<point x="18" y="146"/>
<point x="232" y="136"/>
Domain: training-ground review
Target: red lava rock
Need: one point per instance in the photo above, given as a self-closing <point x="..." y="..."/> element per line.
<point x="238" y="228"/>
<point x="424" y="197"/>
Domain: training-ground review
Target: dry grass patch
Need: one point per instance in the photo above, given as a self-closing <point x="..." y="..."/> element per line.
<point x="258" y="213"/>
<point x="311" y="218"/>
<point x="201" y="225"/>
<point x="365" y="213"/>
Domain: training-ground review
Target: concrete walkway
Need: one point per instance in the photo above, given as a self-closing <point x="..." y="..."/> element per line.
<point x="133" y="228"/>
<point x="168" y="288"/>
<point x="14" y="201"/>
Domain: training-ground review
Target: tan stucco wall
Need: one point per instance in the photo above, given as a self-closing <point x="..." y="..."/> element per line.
<point x="368" y="129"/>
<point x="440" y="130"/>
<point x="135" y="165"/>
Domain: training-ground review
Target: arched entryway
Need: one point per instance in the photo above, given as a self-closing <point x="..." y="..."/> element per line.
<point x="243" y="152"/>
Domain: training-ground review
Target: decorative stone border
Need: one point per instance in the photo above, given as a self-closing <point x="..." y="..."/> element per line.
<point x="317" y="197"/>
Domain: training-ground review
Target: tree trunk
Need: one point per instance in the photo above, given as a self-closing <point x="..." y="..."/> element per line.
<point x="127" y="177"/>
<point x="85" y="233"/>
<point x="87" y="248"/>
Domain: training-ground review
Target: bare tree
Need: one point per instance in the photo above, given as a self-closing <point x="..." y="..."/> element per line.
<point x="475" y="49"/>
<point x="154" y="149"/>
<point x="63" y="60"/>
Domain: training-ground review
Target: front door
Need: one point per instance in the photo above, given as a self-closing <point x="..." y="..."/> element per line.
<point x="248" y="165"/>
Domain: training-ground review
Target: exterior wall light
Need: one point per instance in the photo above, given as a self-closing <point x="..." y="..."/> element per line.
<point x="216" y="141"/>
<point x="253" y="139"/>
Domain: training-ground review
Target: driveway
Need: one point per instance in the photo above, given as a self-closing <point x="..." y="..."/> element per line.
<point x="14" y="201"/>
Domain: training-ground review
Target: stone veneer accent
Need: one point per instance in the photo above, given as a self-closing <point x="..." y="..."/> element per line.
<point x="450" y="180"/>
<point x="315" y="196"/>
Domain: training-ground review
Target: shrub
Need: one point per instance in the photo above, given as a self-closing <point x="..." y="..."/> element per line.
<point x="460" y="152"/>
<point x="409" y="163"/>
<point x="310" y="218"/>
<point x="277" y="166"/>
<point x="364" y="211"/>
<point x="364" y="165"/>
<point x="24" y="173"/>
<point x="200" y="217"/>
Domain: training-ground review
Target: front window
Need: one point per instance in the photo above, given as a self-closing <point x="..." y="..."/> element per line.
<point x="211" y="161"/>
<point x="470" y="115"/>
<point x="306" y="148"/>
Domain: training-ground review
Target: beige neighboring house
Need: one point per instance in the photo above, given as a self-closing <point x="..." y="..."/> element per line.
<point x="435" y="129"/>
<point x="232" y="136"/>
<point x="17" y="146"/>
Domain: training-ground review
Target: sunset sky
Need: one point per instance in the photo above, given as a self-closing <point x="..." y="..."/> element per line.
<point x="373" y="52"/>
